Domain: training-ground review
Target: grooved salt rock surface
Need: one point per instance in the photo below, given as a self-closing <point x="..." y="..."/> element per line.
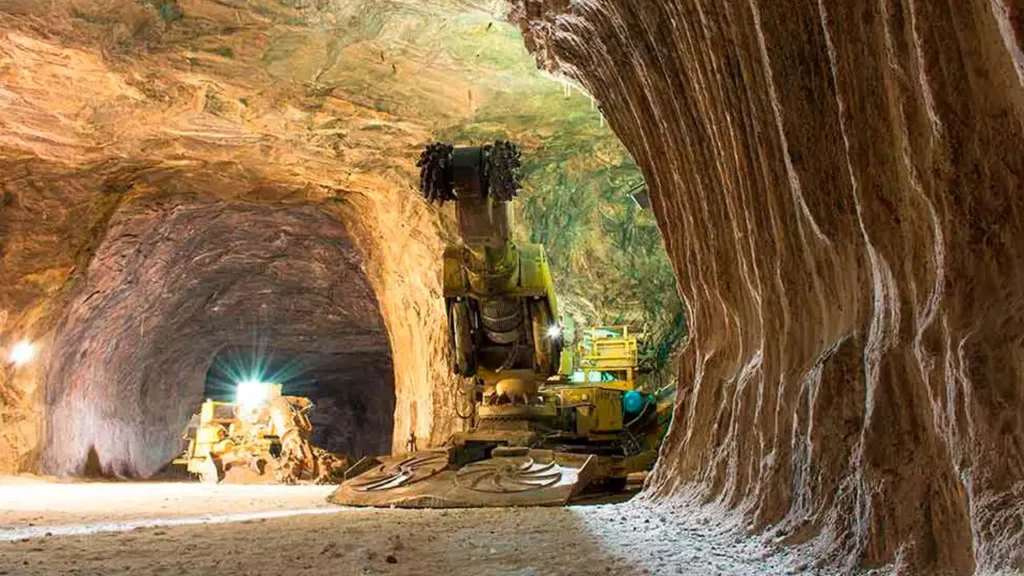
<point x="840" y="189"/>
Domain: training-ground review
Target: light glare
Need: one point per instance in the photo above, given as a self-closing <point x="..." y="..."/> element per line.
<point x="554" y="331"/>
<point x="252" y="394"/>
<point x="22" y="353"/>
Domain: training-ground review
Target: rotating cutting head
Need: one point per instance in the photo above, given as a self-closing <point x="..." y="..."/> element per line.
<point x="470" y="172"/>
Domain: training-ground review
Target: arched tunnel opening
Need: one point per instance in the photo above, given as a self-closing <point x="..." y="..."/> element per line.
<point x="188" y="297"/>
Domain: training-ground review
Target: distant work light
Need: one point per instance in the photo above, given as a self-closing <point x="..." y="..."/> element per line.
<point x="252" y="394"/>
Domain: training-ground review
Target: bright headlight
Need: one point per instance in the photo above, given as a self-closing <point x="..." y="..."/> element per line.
<point x="252" y="394"/>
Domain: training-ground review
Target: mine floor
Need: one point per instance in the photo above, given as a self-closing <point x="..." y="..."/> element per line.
<point x="182" y="528"/>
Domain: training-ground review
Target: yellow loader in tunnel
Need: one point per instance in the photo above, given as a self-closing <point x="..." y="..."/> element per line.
<point x="537" y="437"/>
<point x="263" y="438"/>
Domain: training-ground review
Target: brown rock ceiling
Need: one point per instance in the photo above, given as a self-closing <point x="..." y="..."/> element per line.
<point x="840" y="189"/>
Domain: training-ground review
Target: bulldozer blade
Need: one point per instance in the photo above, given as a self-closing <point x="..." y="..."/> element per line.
<point x="427" y="480"/>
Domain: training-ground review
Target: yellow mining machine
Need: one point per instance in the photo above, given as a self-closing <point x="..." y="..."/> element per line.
<point x="261" y="438"/>
<point x="537" y="437"/>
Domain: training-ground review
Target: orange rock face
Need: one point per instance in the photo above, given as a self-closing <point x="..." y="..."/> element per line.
<point x="841" y="190"/>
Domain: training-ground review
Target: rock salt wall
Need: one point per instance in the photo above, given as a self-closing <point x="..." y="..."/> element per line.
<point x="840" y="189"/>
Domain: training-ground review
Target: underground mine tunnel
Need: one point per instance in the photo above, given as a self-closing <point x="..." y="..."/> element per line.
<point x="181" y="296"/>
<point x="812" y="211"/>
